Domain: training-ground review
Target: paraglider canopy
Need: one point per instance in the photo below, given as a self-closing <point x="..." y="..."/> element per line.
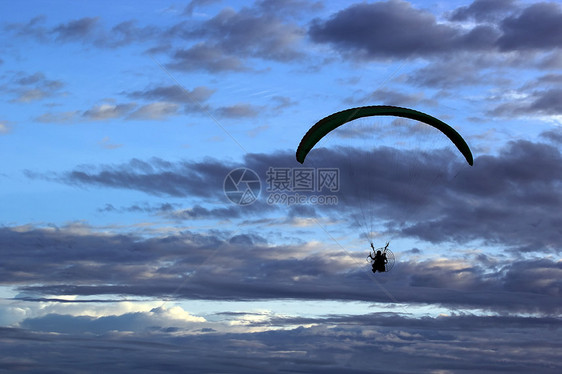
<point x="327" y="124"/>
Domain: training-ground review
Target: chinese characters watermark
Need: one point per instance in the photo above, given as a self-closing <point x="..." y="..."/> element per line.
<point x="303" y="179"/>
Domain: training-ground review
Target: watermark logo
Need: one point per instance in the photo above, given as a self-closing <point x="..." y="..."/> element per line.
<point x="285" y="186"/>
<point x="242" y="186"/>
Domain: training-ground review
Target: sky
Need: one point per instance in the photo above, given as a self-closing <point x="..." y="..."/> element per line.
<point x="153" y="216"/>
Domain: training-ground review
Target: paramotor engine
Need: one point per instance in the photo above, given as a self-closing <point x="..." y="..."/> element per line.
<point x="386" y="254"/>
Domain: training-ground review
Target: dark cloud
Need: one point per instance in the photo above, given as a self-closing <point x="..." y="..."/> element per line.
<point x="175" y="94"/>
<point x="282" y="102"/>
<point x="31" y="79"/>
<point x="551" y="61"/>
<point x="64" y="117"/>
<point x="537" y="97"/>
<point x="57" y="256"/>
<point x="548" y="102"/>
<point x="157" y="177"/>
<point x="154" y="111"/>
<point x="350" y="344"/>
<point x="290" y="7"/>
<point x="248" y="240"/>
<point x="244" y="266"/>
<point x="163" y="208"/>
<point x="138" y="322"/>
<point x="164" y="102"/>
<point x="239" y="111"/>
<point x="511" y="199"/>
<point x="540" y="102"/>
<point x="126" y="33"/>
<point x="539" y="26"/>
<point x="90" y="30"/>
<point x="542" y="277"/>
<point x="224" y="41"/>
<point x="554" y="136"/>
<point x="391" y="97"/>
<point x="484" y="10"/>
<point x="229" y="40"/>
<point x="79" y="29"/>
<point x="547" y="80"/>
<point x="193" y="4"/>
<point x="450" y="73"/>
<point x="87" y="30"/>
<point x="33" y="28"/>
<point x="205" y="57"/>
<point x="302" y="211"/>
<point x="394" y="29"/>
<point x="249" y="33"/>
<point x="26" y="87"/>
<point x="199" y="212"/>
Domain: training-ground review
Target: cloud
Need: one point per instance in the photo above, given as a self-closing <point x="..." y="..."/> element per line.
<point x="537" y="27"/>
<point x="154" y="111"/>
<point x="205" y="57"/>
<point x="129" y="322"/>
<point x="289" y="7"/>
<point x="510" y="199"/>
<point x="536" y="103"/>
<point x="86" y="30"/>
<point x="193" y="100"/>
<point x="500" y="195"/>
<point x="223" y="42"/>
<point x="33" y="28"/>
<point x="555" y="136"/>
<point x="282" y="102"/>
<point x="31" y="87"/>
<point x="164" y="208"/>
<point x="239" y="111"/>
<point x="193" y="4"/>
<point x="49" y="263"/>
<point x="330" y="345"/>
<point x="77" y="29"/>
<point x="484" y="10"/>
<point x="391" y="97"/>
<point x="126" y="33"/>
<point x="107" y="111"/>
<point x="156" y="177"/>
<point x="394" y="29"/>
<point x="61" y="118"/>
<point x="250" y="33"/>
<point x="175" y="94"/>
<point x="163" y="102"/>
<point x="199" y="212"/>
<point x="451" y="74"/>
